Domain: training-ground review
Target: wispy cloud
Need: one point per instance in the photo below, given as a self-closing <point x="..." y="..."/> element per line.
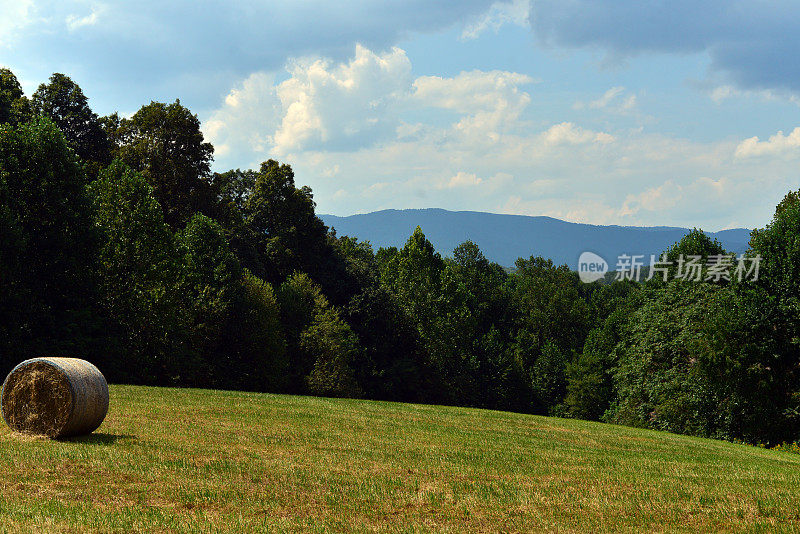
<point x="76" y="22"/>
<point x="515" y="12"/>
<point x="615" y="99"/>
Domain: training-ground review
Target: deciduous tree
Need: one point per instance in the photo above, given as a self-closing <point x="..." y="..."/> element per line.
<point x="63" y="101"/>
<point x="165" y="144"/>
<point x="14" y="106"/>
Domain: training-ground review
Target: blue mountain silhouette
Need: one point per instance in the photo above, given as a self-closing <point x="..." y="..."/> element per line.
<point x="504" y="238"/>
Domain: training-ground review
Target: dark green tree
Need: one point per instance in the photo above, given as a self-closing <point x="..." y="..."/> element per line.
<point x="138" y="267"/>
<point x="321" y="345"/>
<point x="392" y="364"/>
<point x="751" y="368"/>
<point x="778" y="249"/>
<point x="165" y="144"/>
<point x="48" y="246"/>
<point x="255" y="339"/>
<point x="550" y="305"/>
<point x="285" y="232"/>
<point x="414" y="274"/>
<point x="353" y="264"/>
<point x="688" y="258"/>
<point x="299" y="299"/>
<point x="210" y="283"/>
<point x="696" y="243"/>
<point x="698" y="359"/>
<point x="775" y="251"/>
<point x="383" y="256"/>
<point x="590" y="384"/>
<point x="335" y="348"/>
<point x="63" y="101"/>
<point x="14" y="106"/>
<point x="474" y="333"/>
<point x="273" y="229"/>
<point x="553" y="320"/>
<point x="549" y="378"/>
<point x="590" y="388"/>
<point x="414" y="277"/>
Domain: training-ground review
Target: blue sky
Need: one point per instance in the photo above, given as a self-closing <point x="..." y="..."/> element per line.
<point x="601" y="111"/>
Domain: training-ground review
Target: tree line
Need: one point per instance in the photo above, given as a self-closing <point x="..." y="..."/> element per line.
<point x="118" y="244"/>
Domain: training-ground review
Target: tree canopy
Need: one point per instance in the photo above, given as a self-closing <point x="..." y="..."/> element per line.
<point x="164" y="143"/>
<point x="63" y="101"/>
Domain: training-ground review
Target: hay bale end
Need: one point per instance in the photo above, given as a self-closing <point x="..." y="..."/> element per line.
<point x="55" y="397"/>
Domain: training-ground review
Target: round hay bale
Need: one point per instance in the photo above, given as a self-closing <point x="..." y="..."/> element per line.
<point x="55" y="397"/>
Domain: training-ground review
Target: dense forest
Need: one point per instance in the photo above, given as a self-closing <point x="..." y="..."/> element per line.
<point x="118" y="244"/>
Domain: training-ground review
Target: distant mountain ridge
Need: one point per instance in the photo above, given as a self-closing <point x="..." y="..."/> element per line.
<point x="504" y="238"/>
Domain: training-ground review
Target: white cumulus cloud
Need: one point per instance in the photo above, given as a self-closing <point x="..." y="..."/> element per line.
<point x="474" y="91"/>
<point x="249" y="114"/>
<point x="326" y="103"/>
<point x="360" y="103"/>
<point x="662" y="197"/>
<point x="338" y="106"/>
<point x="490" y="103"/>
<point x="471" y="180"/>
<point x="778" y="144"/>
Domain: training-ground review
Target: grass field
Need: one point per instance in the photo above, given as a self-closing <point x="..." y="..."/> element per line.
<point x="193" y="460"/>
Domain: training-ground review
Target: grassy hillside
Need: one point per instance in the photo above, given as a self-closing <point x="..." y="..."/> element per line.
<point x="191" y="460"/>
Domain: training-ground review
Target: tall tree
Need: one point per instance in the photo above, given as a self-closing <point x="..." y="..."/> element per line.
<point x="210" y="282"/>
<point x="697" y="247"/>
<point x="48" y="245"/>
<point x="138" y="269"/>
<point x="590" y="387"/>
<point x="335" y="347"/>
<point x="299" y="298"/>
<point x="273" y="228"/>
<point x="255" y="338"/>
<point x="14" y="106"/>
<point x="553" y="321"/>
<point x="702" y="359"/>
<point x="392" y="364"/>
<point x="778" y="247"/>
<point x="291" y="237"/>
<point x="413" y="275"/>
<point x="481" y="329"/>
<point x="165" y="144"/>
<point x="323" y="347"/>
<point x="63" y="101"/>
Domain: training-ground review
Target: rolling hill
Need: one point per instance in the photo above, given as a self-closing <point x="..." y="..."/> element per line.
<point x="504" y="238"/>
<point x="183" y="460"/>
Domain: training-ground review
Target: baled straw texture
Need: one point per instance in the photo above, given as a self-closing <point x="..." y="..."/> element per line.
<point x="55" y="397"/>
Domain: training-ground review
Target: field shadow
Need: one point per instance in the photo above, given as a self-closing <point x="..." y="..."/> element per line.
<point x="100" y="439"/>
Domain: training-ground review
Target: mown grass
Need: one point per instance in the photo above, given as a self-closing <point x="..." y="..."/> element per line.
<point x="196" y="461"/>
